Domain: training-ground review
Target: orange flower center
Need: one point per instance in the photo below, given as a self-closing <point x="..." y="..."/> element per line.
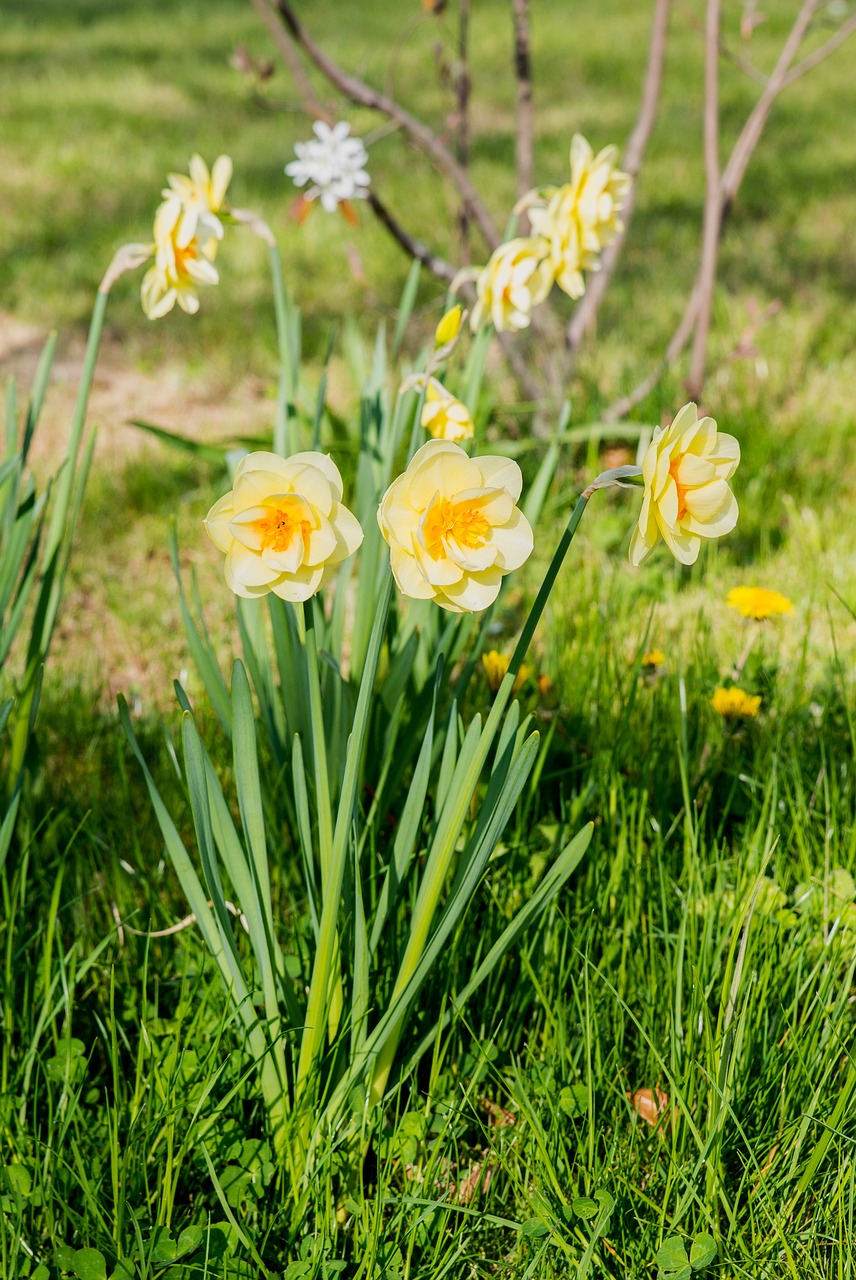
<point x="681" y="488"/>
<point x="279" y="529"/>
<point x="463" y="521"/>
<point x="182" y="256"/>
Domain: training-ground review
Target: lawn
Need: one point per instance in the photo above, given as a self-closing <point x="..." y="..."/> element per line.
<point x="662" y="1065"/>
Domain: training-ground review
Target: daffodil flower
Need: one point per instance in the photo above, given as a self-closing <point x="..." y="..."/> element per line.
<point x="453" y="528"/>
<point x="685" y="472"/>
<point x="446" y="417"/>
<point x="283" y="526"/>
<point x="191" y="204"/>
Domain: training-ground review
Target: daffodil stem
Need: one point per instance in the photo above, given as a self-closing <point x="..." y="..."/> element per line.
<point x="541" y="599"/>
<point x="283" y="443"/>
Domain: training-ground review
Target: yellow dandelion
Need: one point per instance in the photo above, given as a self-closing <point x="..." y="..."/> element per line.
<point x="653" y="658"/>
<point x="735" y="703"/>
<point x="495" y="667"/>
<point x="758" y="602"/>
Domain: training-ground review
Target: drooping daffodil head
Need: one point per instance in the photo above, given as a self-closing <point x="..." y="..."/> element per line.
<point x="179" y="270"/>
<point x="446" y="417"/>
<point x="517" y="278"/>
<point x="600" y="189"/>
<point x="685" y="472"/>
<point x="192" y="203"/>
<point x="283" y="526"/>
<point x="453" y="527"/>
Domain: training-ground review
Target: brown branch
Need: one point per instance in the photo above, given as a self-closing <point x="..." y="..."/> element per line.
<point x="462" y="91"/>
<point x="583" y="319"/>
<point x="712" y="202"/>
<point x="732" y="176"/>
<point x="525" y="146"/>
<point x="290" y="56"/>
<point x="415" y="248"/>
<point x="424" y="137"/>
<point x="843" y="33"/>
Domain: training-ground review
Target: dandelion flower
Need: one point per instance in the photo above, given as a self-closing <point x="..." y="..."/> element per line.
<point x="496" y="665"/>
<point x="653" y="658"/>
<point x="332" y="164"/>
<point x="735" y="704"/>
<point x="446" y="417"/>
<point x="685" y="472"/>
<point x="453" y="528"/>
<point x="758" y="602"/>
<point x="283" y="526"/>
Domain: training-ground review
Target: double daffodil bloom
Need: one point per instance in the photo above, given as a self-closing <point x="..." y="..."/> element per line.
<point x="192" y="204"/>
<point x="283" y="526"/>
<point x="517" y="277"/>
<point x="453" y="528"/>
<point x="580" y="218"/>
<point x="179" y="271"/>
<point x="685" y="471"/>
<point x="446" y="417"/>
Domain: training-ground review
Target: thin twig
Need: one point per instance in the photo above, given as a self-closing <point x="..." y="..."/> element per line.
<point x="712" y="202"/>
<point x="462" y="131"/>
<point x="732" y="176"/>
<point x="415" y="248"/>
<point x="525" y="146"/>
<point x="311" y="101"/>
<point x="843" y="33"/>
<point x="365" y="96"/>
<point x="583" y="319"/>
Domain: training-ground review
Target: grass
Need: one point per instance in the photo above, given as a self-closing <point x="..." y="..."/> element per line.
<point x="705" y="950"/>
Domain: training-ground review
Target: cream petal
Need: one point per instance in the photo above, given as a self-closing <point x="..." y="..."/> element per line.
<point x="683" y="421"/>
<point x="217" y="523"/>
<point x="409" y="580"/>
<point x="348" y="532"/>
<point x="240" y="589"/>
<point x="694" y="470"/>
<point x="718" y="523"/>
<point x="501" y="473"/>
<point x="471" y="559"/>
<point x="667" y="505"/>
<point x="476" y="592"/>
<point x="514" y="542"/>
<point x="639" y="548"/>
<point x="702" y="504"/>
<point x="198" y="170"/>
<point x="313" y="485"/>
<point x="323" y="463"/>
<point x="439" y="571"/>
<point x="288" y="560"/>
<point x="187" y="300"/>
<point x="248" y="568"/>
<point x="446" y="471"/>
<point x="244" y="526"/>
<point x="299" y="586"/>
<point x="494" y="504"/>
<point x="396" y="516"/>
<point x="683" y="546"/>
<point x="221" y="176"/>
<point x="725" y="455"/>
<point x="322" y="542"/>
<point x="701" y="438"/>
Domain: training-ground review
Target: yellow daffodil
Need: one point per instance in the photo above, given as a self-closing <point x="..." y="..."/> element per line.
<point x="580" y="218"/>
<point x="495" y="666"/>
<point x="735" y="704"/>
<point x="449" y="327"/>
<point x="283" y="527"/>
<point x="453" y="528"/>
<point x="653" y="658"/>
<point x="191" y="204"/>
<point x="179" y="271"/>
<point x="685" y="471"/>
<point x="445" y="416"/>
<point x="516" y="279"/>
<point x="758" y="602"/>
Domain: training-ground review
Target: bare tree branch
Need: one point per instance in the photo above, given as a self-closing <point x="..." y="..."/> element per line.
<point x="365" y="96"/>
<point x="415" y="248"/>
<point x="843" y="33"/>
<point x="462" y="89"/>
<point x="712" y="202"/>
<point x="732" y="176"/>
<point x="290" y="56"/>
<point x="585" y="314"/>
<point x="525" y="146"/>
